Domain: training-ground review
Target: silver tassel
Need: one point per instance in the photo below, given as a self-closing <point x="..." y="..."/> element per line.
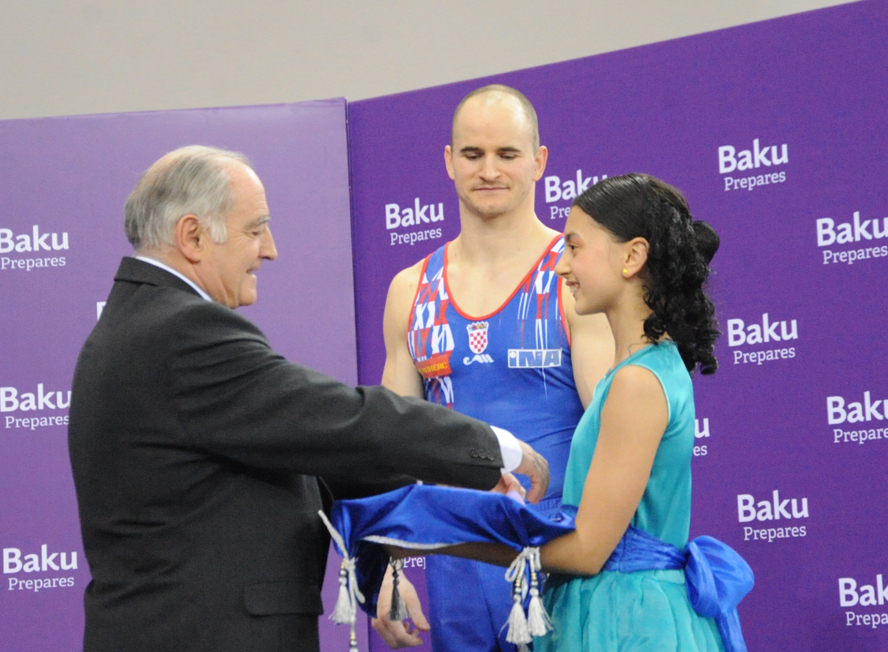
<point x="538" y="621"/>
<point x="517" y="624"/>
<point x="398" y="610"/>
<point x="346" y="610"/>
<point x="343" y="613"/>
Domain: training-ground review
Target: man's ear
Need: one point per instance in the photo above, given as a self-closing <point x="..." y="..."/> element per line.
<point x="542" y="156"/>
<point x="191" y="238"/>
<point x="635" y="256"/>
<point x="448" y="161"/>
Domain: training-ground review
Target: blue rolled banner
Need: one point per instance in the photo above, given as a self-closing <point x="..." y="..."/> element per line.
<point x="426" y="518"/>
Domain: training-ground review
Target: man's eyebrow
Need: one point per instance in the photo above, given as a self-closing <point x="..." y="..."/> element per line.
<point x="508" y="149"/>
<point x="255" y="224"/>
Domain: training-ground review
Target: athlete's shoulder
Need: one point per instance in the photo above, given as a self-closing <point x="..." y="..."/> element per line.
<point x="403" y="286"/>
<point x="410" y="273"/>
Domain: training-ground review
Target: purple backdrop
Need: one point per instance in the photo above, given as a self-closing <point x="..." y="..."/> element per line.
<point x="797" y="104"/>
<point x="63" y="183"/>
<point x="776" y="133"/>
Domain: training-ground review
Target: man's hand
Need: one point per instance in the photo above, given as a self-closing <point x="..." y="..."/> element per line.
<point x="509" y="486"/>
<point x="396" y="634"/>
<point x="535" y="467"/>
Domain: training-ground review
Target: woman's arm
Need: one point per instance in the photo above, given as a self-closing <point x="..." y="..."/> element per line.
<point x="633" y="420"/>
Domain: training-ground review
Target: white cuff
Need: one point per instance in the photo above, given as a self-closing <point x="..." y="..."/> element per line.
<point x="510" y="448"/>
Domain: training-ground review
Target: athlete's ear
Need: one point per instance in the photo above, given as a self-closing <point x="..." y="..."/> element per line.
<point x="635" y="255"/>
<point x="448" y="161"/>
<point x="542" y="156"/>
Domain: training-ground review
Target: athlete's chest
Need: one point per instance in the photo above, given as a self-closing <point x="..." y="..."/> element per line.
<point x="479" y="292"/>
<point x="523" y="330"/>
<point x="518" y="336"/>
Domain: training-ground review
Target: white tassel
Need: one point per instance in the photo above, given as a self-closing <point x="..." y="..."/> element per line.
<point x="538" y="621"/>
<point x="346" y="610"/>
<point x="398" y="610"/>
<point x="517" y="624"/>
<point x="524" y="627"/>
<point x="342" y="612"/>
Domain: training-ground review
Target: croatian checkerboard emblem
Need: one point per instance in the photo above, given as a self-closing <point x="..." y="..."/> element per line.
<point x="477" y="336"/>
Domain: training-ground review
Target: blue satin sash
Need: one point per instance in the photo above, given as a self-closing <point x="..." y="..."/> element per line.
<point x="716" y="576"/>
<point x="425" y="518"/>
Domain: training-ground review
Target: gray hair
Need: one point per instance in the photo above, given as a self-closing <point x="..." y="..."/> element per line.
<point x="190" y="180"/>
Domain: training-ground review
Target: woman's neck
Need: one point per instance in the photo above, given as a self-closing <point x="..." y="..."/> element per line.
<point x="627" y="324"/>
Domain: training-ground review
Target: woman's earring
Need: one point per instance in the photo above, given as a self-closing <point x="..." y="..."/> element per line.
<point x="625" y="271"/>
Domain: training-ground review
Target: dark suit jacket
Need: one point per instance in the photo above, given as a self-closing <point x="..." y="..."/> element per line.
<point x="196" y="452"/>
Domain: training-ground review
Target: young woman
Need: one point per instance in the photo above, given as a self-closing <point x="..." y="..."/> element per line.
<point x="626" y="579"/>
<point x="634" y="253"/>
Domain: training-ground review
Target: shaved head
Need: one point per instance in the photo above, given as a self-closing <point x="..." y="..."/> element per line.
<point x="497" y="93"/>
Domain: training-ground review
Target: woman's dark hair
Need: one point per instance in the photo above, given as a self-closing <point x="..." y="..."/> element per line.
<point x="680" y="249"/>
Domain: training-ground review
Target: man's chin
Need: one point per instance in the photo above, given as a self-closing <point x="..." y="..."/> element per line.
<point x="489" y="210"/>
<point x="248" y="295"/>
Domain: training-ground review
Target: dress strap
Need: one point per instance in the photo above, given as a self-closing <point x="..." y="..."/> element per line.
<point x="716" y="576"/>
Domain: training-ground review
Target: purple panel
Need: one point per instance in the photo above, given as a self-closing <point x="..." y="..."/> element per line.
<point x="63" y="183"/>
<point x="769" y="129"/>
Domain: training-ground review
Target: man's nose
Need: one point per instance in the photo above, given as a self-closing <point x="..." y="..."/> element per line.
<point x="490" y="169"/>
<point x="268" y="250"/>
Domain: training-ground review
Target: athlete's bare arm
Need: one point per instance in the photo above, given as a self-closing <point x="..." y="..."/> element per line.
<point x="399" y="373"/>
<point x="591" y="347"/>
<point x="400" y="376"/>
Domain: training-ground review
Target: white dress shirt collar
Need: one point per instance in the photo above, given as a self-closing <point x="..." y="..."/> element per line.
<point x="174" y="272"/>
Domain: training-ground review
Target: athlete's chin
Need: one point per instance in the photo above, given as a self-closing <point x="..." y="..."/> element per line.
<point x="484" y="206"/>
<point x="489" y="211"/>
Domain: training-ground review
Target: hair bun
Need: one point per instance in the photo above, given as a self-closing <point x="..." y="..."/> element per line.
<point x="707" y="239"/>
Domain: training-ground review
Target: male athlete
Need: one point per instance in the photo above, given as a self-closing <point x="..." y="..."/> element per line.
<point x="484" y="326"/>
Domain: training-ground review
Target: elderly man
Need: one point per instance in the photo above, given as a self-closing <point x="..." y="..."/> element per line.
<point x="197" y="451"/>
<point x="516" y="351"/>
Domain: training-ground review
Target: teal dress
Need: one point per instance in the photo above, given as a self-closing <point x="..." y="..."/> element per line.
<point x="647" y="611"/>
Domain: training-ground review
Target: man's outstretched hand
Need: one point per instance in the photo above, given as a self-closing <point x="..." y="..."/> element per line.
<point x="535" y="467"/>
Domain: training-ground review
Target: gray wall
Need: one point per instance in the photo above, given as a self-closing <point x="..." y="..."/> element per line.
<point x="96" y="56"/>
